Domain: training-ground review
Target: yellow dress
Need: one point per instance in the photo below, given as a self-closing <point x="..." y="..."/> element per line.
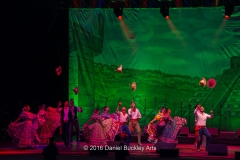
<point x="152" y="128"/>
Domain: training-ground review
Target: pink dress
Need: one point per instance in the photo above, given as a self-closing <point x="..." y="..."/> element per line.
<point x="94" y="134"/>
<point x="23" y="132"/>
<point x="41" y="118"/>
<point x="52" y="122"/>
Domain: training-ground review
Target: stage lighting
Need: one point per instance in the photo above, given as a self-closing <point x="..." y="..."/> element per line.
<point x="118" y="8"/>
<point x="164" y="8"/>
<point x="229" y="8"/>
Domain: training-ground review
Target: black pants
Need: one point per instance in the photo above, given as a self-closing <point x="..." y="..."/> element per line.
<point x="76" y="126"/>
<point x="65" y="133"/>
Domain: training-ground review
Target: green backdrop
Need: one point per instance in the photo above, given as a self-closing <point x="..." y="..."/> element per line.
<point x="166" y="59"/>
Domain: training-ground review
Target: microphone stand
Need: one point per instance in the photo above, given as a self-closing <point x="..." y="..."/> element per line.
<point x="145" y="112"/>
<point x="211" y="118"/>
<point x="189" y="115"/>
<point x="165" y="102"/>
<point x="229" y="117"/>
<point x="181" y="108"/>
<point x="174" y="105"/>
<point x="106" y="101"/>
<point x="219" y="127"/>
<point x="155" y="104"/>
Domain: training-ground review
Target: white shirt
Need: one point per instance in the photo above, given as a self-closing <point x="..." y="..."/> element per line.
<point x="201" y="118"/>
<point x="122" y="118"/>
<point x="134" y="115"/>
<point x="66" y="110"/>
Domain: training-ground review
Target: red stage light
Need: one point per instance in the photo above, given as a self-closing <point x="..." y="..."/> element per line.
<point x="167" y="17"/>
<point x="119" y="17"/>
<point x="226" y="16"/>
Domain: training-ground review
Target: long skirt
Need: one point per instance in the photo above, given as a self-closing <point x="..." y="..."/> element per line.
<point x="49" y="127"/>
<point x="94" y="134"/>
<point x="22" y="133"/>
<point x="171" y="130"/>
<point x="110" y="128"/>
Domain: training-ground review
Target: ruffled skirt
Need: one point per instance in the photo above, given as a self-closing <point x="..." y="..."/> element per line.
<point x="22" y="133"/>
<point x="94" y="134"/>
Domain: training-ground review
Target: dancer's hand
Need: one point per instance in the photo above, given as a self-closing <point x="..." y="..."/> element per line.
<point x="211" y="112"/>
<point x="59" y="103"/>
<point x="119" y="103"/>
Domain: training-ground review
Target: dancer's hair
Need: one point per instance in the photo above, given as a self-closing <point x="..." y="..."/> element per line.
<point x="104" y="108"/>
<point x="96" y="110"/>
<point x="25" y="107"/>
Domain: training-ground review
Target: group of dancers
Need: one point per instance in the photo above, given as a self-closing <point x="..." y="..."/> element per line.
<point x="31" y="129"/>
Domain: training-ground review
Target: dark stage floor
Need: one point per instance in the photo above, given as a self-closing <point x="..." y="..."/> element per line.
<point x="9" y="151"/>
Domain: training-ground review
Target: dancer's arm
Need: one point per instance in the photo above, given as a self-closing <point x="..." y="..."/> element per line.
<point x="117" y="110"/>
<point x="196" y="111"/>
<point x="79" y="109"/>
<point x="89" y="121"/>
<point x="130" y="111"/>
<point x="17" y="120"/>
<point x="58" y="108"/>
<point x="211" y="114"/>
<point x="153" y="120"/>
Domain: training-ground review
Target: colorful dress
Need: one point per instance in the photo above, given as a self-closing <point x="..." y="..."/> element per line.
<point x="93" y="133"/>
<point x="171" y="130"/>
<point x="23" y="132"/>
<point x="154" y="130"/>
<point x="111" y="127"/>
<point x="41" y="118"/>
<point x="50" y="125"/>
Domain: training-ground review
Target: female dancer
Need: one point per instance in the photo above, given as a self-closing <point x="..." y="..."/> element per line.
<point x="23" y="132"/>
<point x="41" y="118"/>
<point x="93" y="133"/>
<point x="110" y="124"/>
<point x="171" y="130"/>
<point x="48" y="128"/>
<point x="154" y="130"/>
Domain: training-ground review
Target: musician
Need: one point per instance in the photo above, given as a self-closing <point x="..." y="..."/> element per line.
<point x="135" y="115"/>
<point x="123" y="119"/>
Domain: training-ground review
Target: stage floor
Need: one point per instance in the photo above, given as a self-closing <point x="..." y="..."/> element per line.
<point x="9" y="150"/>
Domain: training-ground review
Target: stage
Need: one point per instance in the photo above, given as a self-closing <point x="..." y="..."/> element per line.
<point x="9" y="150"/>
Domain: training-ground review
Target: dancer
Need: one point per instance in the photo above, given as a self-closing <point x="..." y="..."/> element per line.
<point x="74" y="122"/>
<point x="23" y="132"/>
<point x="135" y="115"/>
<point x="155" y="130"/>
<point x="66" y="118"/>
<point x="197" y="129"/>
<point x="94" y="134"/>
<point x="123" y="119"/>
<point x="48" y="128"/>
<point x="152" y="128"/>
<point x="105" y="114"/>
<point x="41" y="118"/>
<point x="201" y="124"/>
<point x="110" y="123"/>
<point x="172" y="129"/>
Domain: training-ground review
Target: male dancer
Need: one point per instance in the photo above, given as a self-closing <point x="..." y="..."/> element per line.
<point x="135" y="115"/>
<point x="197" y="129"/>
<point x="201" y="124"/>
<point x="74" y="121"/>
<point x="123" y="119"/>
<point x="66" y="118"/>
